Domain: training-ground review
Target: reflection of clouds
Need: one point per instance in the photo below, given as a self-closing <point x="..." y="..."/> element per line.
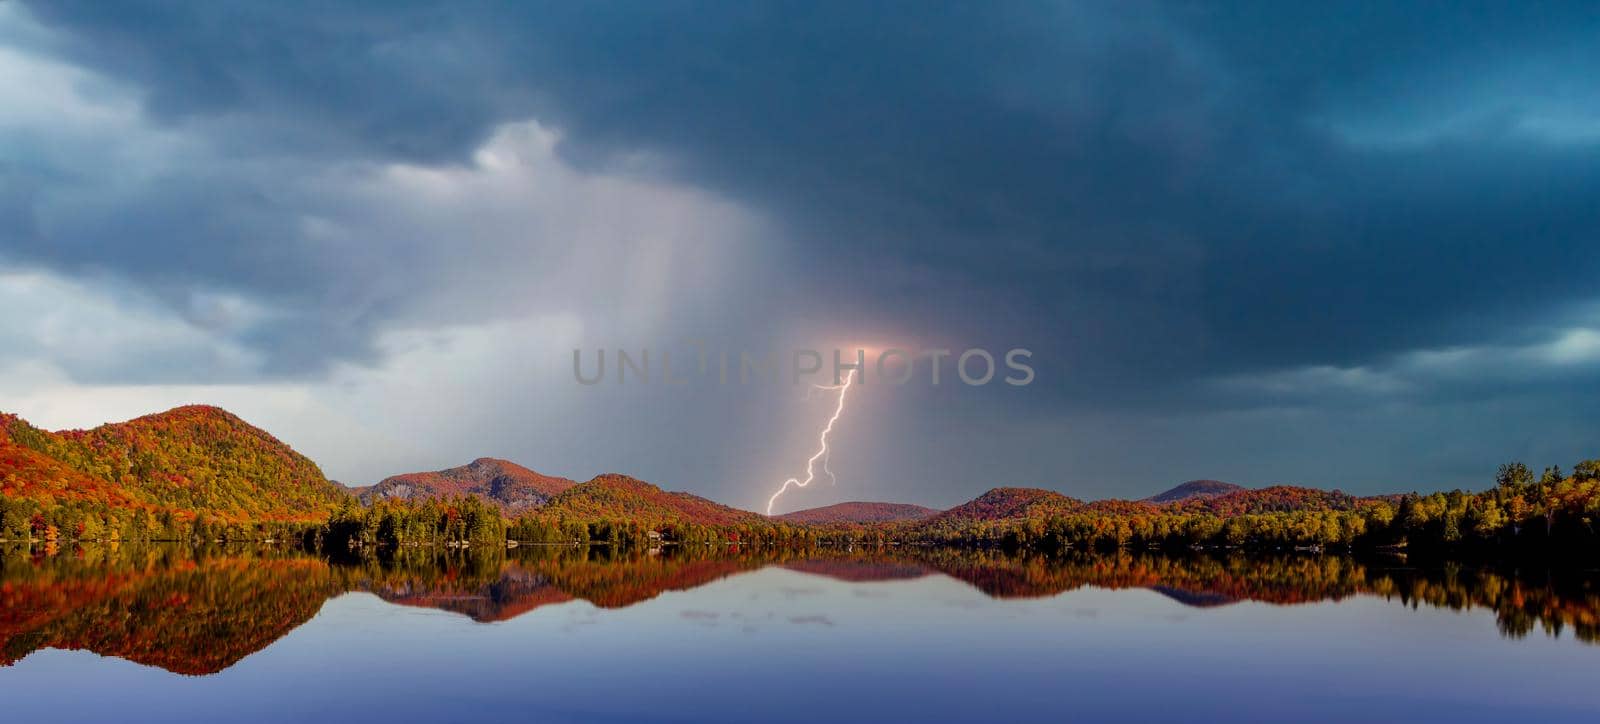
<point x="870" y="593"/>
<point x="1086" y="612"/>
<point x="750" y="623"/>
<point x="795" y="591"/>
<point x="577" y="618"/>
<point x="965" y="603"/>
<point x="696" y="615"/>
<point x="818" y="619"/>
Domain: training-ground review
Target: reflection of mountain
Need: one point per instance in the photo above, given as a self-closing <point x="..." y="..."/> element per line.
<point x="619" y="583"/>
<point x="200" y="613"/>
<point x="515" y="592"/>
<point x="860" y="571"/>
<point x="528" y="579"/>
<point x="186" y="616"/>
<point x="1196" y="599"/>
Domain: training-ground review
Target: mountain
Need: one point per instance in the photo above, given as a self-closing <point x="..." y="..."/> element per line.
<point x="1001" y="505"/>
<point x="858" y="513"/>
<point x="28" y="472"/>
<point x="1008" y="503"/>
<point x="1274" y="499"/>
<point x="506" y="484"/>
<point x="619" y="497"/>
<point x="1195" y="489"/>
<point x="1115" y="507"/>
<point x="184" y="460"/>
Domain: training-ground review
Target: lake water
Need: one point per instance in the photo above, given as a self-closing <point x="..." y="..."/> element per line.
<point x="230" y="634"/>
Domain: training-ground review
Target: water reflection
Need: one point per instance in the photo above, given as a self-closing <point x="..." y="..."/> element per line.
<point x="200" y="611"/>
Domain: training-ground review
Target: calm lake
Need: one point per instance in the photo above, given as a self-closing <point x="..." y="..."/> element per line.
<point x="150" y="633"/>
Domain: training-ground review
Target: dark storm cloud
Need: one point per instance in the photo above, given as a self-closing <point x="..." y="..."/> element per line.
<point x="1145" y="193"/>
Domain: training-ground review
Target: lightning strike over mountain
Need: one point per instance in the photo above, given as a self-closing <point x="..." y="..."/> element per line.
<point x="822" y="449"/>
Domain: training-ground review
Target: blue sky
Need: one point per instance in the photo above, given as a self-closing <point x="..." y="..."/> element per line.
<point x="1345" y="246"/>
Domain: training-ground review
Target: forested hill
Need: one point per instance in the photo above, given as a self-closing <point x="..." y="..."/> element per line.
<point x="509" y="486"/>
<point x="185" y="461"/>
<point x="857" y="512"/>
<point x="201" y="473"/>
<point x="1009" y="503"/>
<point x="1195" y="489"/>
<point x="613" y="496"/>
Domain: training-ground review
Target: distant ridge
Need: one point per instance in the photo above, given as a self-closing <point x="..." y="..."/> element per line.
<point x="859" y="512"/>
<point x="1195" y="489"/>
<point x="506" y="484"/>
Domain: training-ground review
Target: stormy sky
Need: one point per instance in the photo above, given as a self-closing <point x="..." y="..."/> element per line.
<point x="1352" y="245"/>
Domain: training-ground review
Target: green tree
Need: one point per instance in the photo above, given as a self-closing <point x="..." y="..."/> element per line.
<point x="1513" y="476"/>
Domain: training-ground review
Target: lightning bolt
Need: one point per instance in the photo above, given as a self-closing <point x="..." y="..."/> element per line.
<point x="826" y="456"/>
<point x="822" y="444"/>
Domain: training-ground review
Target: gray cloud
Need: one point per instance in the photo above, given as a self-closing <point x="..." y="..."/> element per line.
<point x="1155" y="197"/>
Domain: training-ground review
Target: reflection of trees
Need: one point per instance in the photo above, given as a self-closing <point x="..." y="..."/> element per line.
<point x="198" y="612"/>
<point x="481" y="587"/>
<point x="186" y="613"/>
<point x="491" y="587"/>
<point x="615" y="579"/>
<point x="1521" y="599"/>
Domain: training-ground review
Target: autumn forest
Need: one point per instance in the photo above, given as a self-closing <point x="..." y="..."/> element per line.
<point x="202" y="474"/>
